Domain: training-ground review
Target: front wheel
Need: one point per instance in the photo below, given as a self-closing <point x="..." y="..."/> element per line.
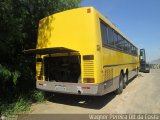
<point x="121" y="84"/>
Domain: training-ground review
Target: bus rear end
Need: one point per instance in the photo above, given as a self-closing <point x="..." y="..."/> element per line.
<point x="69" y="73"/>
<point x="66" y="53"/>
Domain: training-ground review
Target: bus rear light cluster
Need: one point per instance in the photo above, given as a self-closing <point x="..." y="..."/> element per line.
<point x="88" y="80"/>
<point x="88" y="57"/>
<point x="39" y="77"/>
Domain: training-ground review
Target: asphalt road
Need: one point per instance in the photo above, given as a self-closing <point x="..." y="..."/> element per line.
<point x="142" y="95"/>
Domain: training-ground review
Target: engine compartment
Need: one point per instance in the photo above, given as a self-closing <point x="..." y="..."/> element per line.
<point x="63" y="69"/>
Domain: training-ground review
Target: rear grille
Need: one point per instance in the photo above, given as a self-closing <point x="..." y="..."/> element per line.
<point x="88" y="69"/>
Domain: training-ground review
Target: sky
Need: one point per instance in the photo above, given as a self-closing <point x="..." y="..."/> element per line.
<point x="139" y="20"/>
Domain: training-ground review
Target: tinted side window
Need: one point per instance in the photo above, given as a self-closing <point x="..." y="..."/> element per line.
<point x="104" y="33"/>
<point x="115" y="37"/>
<point x="129" y="47"/>
<point x="132" y="51"/>
<point x="126" y="46"/>
<point x="119" y="43"/>
<point x="110" y="36"/>
<point x="135" y="51"/>
<point x="123" y="43"/>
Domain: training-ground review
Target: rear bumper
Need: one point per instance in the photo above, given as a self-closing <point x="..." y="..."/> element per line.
<point x="70" y="88"/>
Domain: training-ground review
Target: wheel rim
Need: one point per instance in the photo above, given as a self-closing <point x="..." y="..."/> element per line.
<point x="125" y="78"/>
<point x="121" y="84"/>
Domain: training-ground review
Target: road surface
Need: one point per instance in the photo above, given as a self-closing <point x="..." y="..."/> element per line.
<point x="142" y="95"/>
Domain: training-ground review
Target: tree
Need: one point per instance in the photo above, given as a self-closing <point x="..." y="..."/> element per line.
<point x="18" y="31"/>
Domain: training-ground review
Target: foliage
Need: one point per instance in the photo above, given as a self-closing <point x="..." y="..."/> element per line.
<point x="18" y="31"/>
<point x="7" y="75"/>
<point x="38" y="96"/>
<point x="21" y="105"/>
<point x="154" y="66"/>
<point x="8" y="81"/>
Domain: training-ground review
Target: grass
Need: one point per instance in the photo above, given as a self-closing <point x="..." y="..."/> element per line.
<point x="20" y="105"/>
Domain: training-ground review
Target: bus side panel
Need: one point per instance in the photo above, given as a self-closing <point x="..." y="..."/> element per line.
<point x="115" y="62"/>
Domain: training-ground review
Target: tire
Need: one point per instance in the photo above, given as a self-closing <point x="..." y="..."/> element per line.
<point x="121" y="82"/>
<point x="137" y="71"/>
<point x="125" y="81"/>
<point x="147" y="71"/>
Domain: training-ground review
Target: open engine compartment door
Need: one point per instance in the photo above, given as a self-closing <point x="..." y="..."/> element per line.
<point x="57" y="68"/>
<point x="45" y="51"/>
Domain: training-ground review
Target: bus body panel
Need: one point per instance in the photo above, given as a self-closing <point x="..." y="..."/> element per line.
<point x="79" y="30"/>
<point x="70" y="29"/>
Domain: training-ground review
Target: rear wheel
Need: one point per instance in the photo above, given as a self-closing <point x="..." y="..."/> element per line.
<point x="125" y="80"/>
<point x="137" y="70"/>
<point x="121" y="84"/>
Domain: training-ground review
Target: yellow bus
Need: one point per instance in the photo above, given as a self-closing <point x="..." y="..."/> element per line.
<point x="79" y="51"/>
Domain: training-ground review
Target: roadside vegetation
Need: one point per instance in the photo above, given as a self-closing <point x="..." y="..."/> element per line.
<point x="155" y="66"/>
<point x="18" y="31"/>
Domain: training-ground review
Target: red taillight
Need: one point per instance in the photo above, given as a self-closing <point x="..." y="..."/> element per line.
<point x="89" y="10"/>
<point x="39" y="77"/>
<point x="88" y="80"/>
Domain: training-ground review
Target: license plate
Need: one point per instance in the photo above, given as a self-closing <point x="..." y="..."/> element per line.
<point x="60" y="88"/>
